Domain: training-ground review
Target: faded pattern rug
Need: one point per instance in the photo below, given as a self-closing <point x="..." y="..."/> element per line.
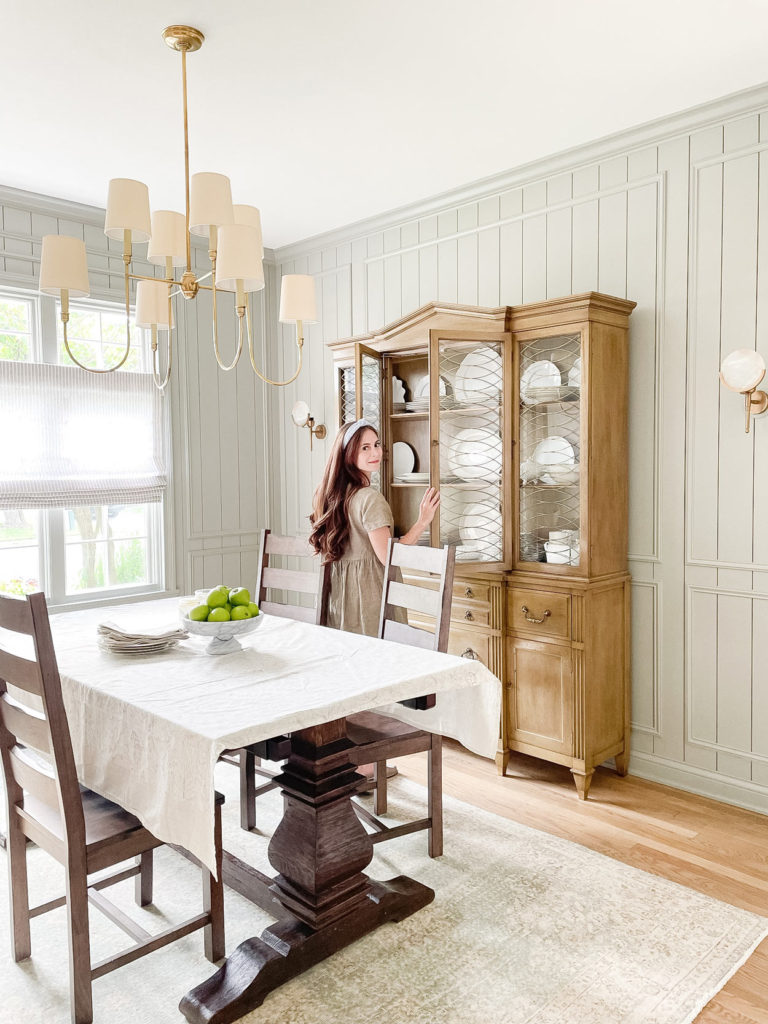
<point x="526" y="928"/>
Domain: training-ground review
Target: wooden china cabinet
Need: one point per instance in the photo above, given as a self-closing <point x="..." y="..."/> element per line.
<point x="519" y="416"/>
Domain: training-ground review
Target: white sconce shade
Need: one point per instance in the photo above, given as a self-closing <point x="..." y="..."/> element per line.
<point x="152" y="304"/>
<point x="169" y="238"/>
<point x="238" y="259"/>
<point x="127" y="210"/>
<point x="63" y="266"/>
<point x="250" y="215"/>
<point x="297" y="299"/>
<point x="742" y="370"/>
<point x="210" y="202"/>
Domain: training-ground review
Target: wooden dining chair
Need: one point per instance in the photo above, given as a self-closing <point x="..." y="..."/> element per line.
<point x="295" y="582"/>
<point x="376" y="737"/>
<point x="83" y="831"/>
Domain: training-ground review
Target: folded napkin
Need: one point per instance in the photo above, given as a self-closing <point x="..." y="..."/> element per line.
<point x="113" y="632"/>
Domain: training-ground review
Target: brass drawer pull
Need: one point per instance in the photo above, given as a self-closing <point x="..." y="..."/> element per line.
<point x="468" y="592"/>
<point x="469" y="653"/>
<point x="530" y="618"/>
<point x="468" y="615"/>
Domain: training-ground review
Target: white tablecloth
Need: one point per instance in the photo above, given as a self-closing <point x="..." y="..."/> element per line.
<point x="147" y="730"/>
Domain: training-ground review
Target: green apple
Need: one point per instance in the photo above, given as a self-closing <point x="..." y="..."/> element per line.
<point x="240" y="596"/>
<point x="253" y="609"/>
<point x="199" y="613"/>
<point x="219" y="615"/>
<point x="216" y="599"/>
<point x="239" y="612"/>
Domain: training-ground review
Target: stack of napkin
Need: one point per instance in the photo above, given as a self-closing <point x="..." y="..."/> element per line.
<point x="112" y="638"/>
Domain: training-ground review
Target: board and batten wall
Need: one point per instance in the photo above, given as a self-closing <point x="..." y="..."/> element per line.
<point x="673" y="215"/>
<point x="219" y="495"/>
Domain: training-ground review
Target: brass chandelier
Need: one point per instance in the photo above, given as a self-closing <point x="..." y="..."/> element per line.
<point x="235" y="250"/>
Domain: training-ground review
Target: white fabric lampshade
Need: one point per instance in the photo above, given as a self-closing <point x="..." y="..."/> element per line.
<point x="210" y="203"/>
<point x="169" y="238"/>
<point x="297" y="299"/>
<point x="63" y="266"/>
<point x="152" y="304"/>
<point x="742" y="370"/>
<point x="250" y="215"/>
<point x="127" y="210"/>
<point x="238" y="259"/>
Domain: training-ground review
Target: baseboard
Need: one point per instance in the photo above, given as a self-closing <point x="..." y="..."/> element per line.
<point x="738" y="792"/>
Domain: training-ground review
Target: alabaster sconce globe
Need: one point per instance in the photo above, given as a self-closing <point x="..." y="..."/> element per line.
<point x="742" y="371"/>
<point x="301" y="417"/>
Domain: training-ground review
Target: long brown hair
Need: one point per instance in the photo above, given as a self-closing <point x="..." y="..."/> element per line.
<point x="341" y="479"/>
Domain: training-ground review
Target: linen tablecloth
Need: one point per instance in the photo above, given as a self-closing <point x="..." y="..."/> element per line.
<point x="147" y="730"/>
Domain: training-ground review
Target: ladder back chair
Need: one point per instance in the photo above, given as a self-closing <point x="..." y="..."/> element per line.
<point x="380" y="737"/>
<point x="293" y="581"/>
<point x="83" y="831"/>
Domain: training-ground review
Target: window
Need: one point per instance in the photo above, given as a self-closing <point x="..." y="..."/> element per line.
<point x="82" y="483"/>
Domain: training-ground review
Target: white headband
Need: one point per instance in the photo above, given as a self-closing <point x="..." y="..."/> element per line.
<point x="351" y="430"/>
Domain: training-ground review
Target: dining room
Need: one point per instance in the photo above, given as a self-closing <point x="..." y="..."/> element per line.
<point x="519" y="771"/>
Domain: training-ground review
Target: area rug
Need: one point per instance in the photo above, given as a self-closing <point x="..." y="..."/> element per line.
<point x="526" y="928"/>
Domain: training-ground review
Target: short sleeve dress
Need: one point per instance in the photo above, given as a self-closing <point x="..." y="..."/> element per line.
<point x="357" y="577"/>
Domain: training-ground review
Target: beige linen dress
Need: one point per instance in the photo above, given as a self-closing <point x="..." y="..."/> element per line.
<point x="358" y="576"/>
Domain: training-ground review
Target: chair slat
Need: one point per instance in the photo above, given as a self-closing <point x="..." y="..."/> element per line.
<point x="290" y="579"/>
<point x="295" y="546"/>
<point x="21" y="672"/>
<point x="289" y="611"/>
<point x="30" y="727"/>
<point x="402" y="634"/>
<point x="15" y="615"/>
<point x="417" y="599"/>
<point x="31" y="777"/>
<point x="415" y="556"/>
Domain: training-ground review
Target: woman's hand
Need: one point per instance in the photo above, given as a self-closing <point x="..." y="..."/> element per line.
<point x="428" y="507"/>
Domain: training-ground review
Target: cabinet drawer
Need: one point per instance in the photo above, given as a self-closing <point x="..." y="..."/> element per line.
<point x="468" y="644"/>
<point x="471" y="611"/>
<point x="466" y="591"/>
<point x="538" y="611"/>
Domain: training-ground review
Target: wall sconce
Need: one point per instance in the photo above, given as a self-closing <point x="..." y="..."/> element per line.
<point x="742" y="371"/>
<point x="300" y="416"/>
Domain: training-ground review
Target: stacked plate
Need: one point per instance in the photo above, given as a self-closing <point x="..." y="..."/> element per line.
<point x="118" y="641"/>
<point x="414" y="478"/>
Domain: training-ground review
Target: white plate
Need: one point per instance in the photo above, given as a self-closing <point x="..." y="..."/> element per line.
<point x="481" y="521"/>
<point x="403" y="458"/>
<point x="421" y="388"/>
<point x="475" y="455"/>
<point x="479" y="376"/>
<point x="542" y="374"/>
<point x="415" y="478"/>
<point x="554" y="451"/>
<point x="574" y="374"/>
<point x="398" y="391"/>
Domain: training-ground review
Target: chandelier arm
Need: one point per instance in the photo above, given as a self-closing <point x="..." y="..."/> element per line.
<point x="234" y="362"/>
<point x="65" y="319"/>
<point x="161" y="385"/>
<point x="267" y="380"/>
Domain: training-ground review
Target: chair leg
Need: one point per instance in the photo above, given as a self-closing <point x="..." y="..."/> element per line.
<point x="380" y="788"/>
<point x="144" y="879"/>
<point x="213" y="901"/>
<point x="19" y="892"/>
<point x="435" y="796"/>
<point x="80" y="996"/>
<point x="247" y="790"/>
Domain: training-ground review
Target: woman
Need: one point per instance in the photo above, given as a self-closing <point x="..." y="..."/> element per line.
<point x="352" y="524"/>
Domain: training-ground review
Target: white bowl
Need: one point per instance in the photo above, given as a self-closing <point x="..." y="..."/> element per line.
<point x="223" y="634"/>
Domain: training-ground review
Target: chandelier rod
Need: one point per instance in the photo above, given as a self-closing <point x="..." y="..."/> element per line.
<point x="186" y="154"/>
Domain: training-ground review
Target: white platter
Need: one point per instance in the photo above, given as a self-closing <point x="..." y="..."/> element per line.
<point x="541" y="374"/>
<point x="403" y="459"/>
<point x="480" y="521"/>
<point x="421" y="388"/>
<point x="479" y="376"/>
<point x="415" y="478"/>
<point x="475" y="455"/>
<point x="554" y="451"/>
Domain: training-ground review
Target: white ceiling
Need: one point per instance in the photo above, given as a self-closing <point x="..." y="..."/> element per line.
<point x="323" y="112"/>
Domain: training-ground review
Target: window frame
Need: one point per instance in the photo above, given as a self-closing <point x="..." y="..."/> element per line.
<point x="51" y="541"/>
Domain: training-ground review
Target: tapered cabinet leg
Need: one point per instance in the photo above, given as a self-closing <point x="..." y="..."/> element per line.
<point x="622" y="762"/>
<point x="502" y="760"/>
<point x="583" y="781"/>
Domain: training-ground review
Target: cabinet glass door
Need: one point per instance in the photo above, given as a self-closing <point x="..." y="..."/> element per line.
<point x="469" y="454"/>
<point x="550" y="444"/>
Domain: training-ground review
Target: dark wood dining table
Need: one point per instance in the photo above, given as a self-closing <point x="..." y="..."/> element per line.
<point x="170" y="716"/>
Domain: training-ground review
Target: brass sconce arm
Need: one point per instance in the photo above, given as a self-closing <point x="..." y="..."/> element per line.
<point x="742" y="371"/>
<point x="301" y="417"/>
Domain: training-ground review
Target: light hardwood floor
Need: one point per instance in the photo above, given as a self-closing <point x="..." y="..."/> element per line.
<point x="715" y="848"/>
